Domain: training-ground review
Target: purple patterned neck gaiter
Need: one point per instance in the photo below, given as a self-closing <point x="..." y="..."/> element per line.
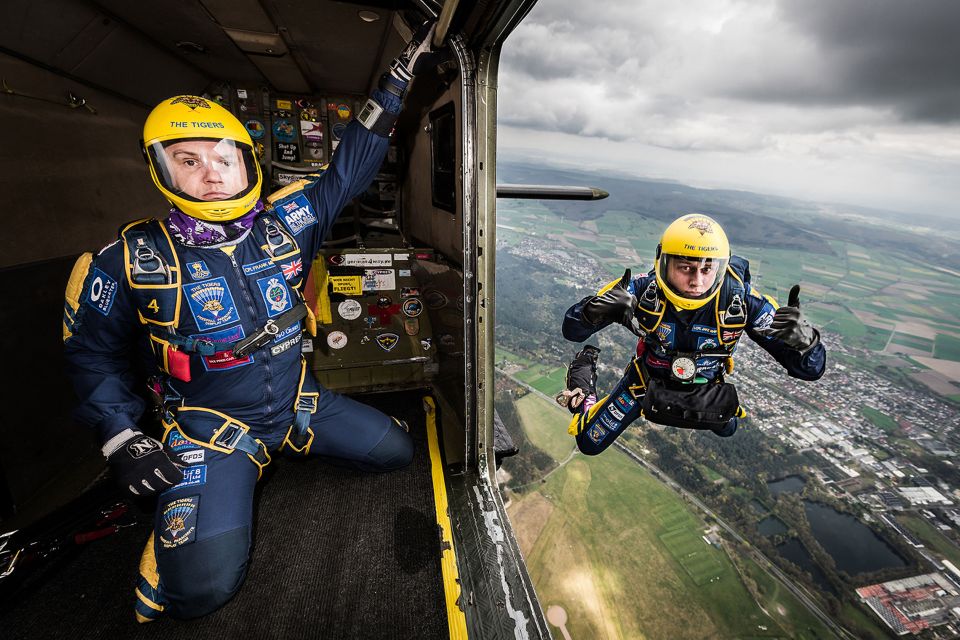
<point x="209" y="235"/>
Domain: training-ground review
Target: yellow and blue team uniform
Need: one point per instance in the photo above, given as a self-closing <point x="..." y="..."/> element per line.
<point x="714" y="328"/>
<point x="225" y="413"/>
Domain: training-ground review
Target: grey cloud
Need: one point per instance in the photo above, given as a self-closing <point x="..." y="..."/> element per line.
<point x="887" y="54"/>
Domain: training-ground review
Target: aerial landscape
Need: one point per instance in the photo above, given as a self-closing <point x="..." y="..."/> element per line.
<point x="831" y="513"/>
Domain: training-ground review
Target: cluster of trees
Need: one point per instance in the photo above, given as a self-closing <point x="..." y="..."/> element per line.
<point x="531" y="463"/>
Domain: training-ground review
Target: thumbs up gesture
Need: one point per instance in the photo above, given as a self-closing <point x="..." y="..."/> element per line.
<point x="615" y="304"/>
<point x="790" y="326"/>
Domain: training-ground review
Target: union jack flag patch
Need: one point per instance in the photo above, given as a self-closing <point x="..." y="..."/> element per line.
<point x="292" y="268"/>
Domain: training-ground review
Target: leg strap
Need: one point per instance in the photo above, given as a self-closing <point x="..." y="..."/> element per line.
<point x="300" y="436"/>
<point x="232" y="435"/>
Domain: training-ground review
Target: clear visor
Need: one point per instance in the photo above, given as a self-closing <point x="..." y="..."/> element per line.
<point x="204" y="169"/>
<point x="690" y="277"/>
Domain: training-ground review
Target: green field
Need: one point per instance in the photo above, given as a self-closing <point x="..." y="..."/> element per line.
<point x="623" y="555"/>
<point x="879" y="419"/>
<point x="546" y="426"/>
<point x="930" y="537"/>
<point x="546" y="380"/>
<point x="914" y="342"/>
<point x="946" y="347"/>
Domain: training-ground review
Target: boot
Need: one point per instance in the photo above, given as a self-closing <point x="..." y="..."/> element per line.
<point x="581" y="391"/>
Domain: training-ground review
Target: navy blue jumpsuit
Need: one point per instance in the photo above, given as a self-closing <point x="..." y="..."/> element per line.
<point x="202" y="528"/>
<point x="683" y="331"/>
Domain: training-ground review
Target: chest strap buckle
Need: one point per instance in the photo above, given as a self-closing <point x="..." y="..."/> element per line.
<point x="269" y="331"/>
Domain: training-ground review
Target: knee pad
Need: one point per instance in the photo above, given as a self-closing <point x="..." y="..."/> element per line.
<point x="394" y="451"/>
<point x="201" y="577"/>
<point x="728" y="429"/>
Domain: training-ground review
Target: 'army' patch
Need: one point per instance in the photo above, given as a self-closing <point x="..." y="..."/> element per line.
<point x="296" y="214"/>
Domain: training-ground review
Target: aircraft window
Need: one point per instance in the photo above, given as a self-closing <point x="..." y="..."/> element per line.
<point x="443" y="149"/>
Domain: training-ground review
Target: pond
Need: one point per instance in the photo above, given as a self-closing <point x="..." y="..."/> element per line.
<point x="758" y="507"/>
<point x="794" y="551"/>
<point x="854" y="547"/>
<point x="790" y="484"/>
<point x="771" y="526"/>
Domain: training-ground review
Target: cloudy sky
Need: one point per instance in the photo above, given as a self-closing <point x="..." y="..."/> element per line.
<point x="853" y="101"/>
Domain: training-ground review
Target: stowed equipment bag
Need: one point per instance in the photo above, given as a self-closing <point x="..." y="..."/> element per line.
<point x="690" y="406"/>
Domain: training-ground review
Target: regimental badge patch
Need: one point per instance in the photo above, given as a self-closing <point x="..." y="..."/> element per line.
<point x="101" y="292"/>
<point x="179" y="522"/>
<point x="275" y="295"/>
<point x="198" y="270"/>
<point x="211" y="303"/>
<point x="596" y="433"/>
<point x="387" y="341"/>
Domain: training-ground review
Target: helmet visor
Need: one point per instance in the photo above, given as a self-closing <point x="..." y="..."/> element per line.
<point x="204" y="169"/>
<point x="692" y="278"/>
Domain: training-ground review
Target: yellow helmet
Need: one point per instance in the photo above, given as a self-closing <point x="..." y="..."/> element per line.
<point x="201" y="158"/>
<point x="691" y="260"/>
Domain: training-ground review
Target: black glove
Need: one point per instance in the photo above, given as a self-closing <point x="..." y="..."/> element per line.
<point x="791" y="327"/>
<point x="616" y="304"/>
<point x="143" y="467"/>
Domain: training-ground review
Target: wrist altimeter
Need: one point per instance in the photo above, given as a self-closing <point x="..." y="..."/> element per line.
<point x="377" y="119"/>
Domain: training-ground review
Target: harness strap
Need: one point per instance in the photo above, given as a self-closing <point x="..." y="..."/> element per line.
<point x="230" y="436"/>
<point x="300" y="436"/>
<point x="149" y="265"/>
<point x="202" y="346"/>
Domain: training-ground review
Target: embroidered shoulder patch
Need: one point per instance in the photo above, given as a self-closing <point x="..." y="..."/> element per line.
<point x="296" y="214"/>
<point x="101" y="292"/>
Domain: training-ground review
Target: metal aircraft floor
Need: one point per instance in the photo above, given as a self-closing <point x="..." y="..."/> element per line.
<point x="337" y="554"/>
